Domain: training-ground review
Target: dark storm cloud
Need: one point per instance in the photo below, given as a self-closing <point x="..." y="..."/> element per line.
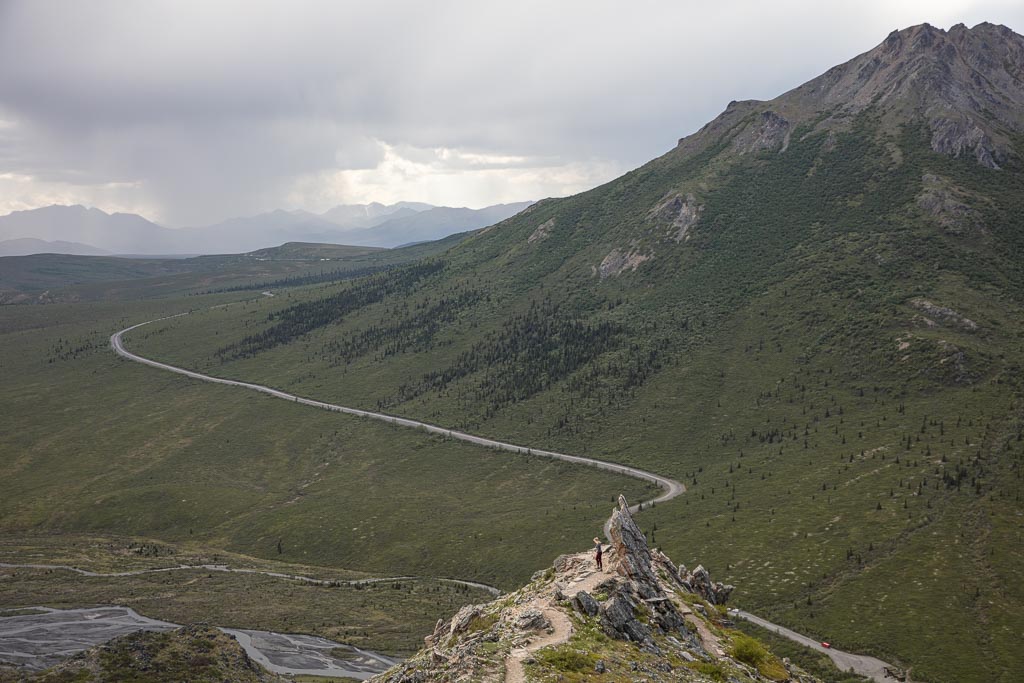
<point x="204" y="110"/>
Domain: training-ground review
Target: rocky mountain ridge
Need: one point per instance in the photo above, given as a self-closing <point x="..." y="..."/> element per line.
<point x="966" y="84"/>
<point x="641" y="618"/>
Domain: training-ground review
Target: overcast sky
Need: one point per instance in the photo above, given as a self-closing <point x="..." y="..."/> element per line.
<point x="191" y="112"/>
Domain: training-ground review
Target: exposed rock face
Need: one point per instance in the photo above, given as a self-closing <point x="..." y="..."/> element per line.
<point x="618" y="261"/>
<point x="964" y="137"/>
<point x="770" y="132"/>
<point x="531" y="620"/>
<point x="630" y="546"/>
<point x="618" y="619"/>
<point x="947" y="205"/>
<point x="699" y="581"/>
<point x="953" y="363"/>
<point x="463" y="618"/>
<point x="677" y="214"/>
<point x="944" y="314"/>
<point x="583" y="603"/>
<point x="542" y="232"/>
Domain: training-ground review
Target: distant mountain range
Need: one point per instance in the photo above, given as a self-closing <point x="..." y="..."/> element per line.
<point x="87" y="231"/>
<point x="25" y="246"/>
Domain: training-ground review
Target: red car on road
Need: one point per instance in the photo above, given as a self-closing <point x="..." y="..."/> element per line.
<point x="825" y="645"/>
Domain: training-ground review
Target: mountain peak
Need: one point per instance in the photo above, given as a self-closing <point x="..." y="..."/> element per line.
<point x="966" y="85"/>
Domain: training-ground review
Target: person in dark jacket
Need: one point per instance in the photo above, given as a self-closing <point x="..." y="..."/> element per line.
<point x="597" y="553"/>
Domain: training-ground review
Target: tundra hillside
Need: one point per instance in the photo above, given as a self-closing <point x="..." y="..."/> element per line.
<point x="810" y="311"/>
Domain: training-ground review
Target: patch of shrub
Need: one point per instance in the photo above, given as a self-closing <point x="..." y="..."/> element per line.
<point x="567" y="660"/>
<point x="748" y="650"/>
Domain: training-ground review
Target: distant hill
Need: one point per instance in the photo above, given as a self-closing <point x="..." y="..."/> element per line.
<point x="98" y="232"/>
<point x="25" y="246"/>
<point x="432" y="224"/>
<point x="310" y="251"/>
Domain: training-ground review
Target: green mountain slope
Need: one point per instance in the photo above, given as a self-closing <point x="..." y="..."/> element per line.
<point x="810" y="311"/>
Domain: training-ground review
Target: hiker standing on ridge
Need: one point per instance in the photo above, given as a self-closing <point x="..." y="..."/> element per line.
<point x="597" y="553"/>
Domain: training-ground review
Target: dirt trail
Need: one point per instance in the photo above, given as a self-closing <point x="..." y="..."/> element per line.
<point x="561" y="626"/>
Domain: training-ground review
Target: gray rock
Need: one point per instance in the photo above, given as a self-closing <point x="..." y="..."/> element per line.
<point x="630" y="546"/>
<point x="699" y="582"/>
<point x="563" y="563"/>
<point x="962" y="137"/>
<point x="532" y="620"/>
<point x="542" y="232"/>
<point x="583" y="603"/>
<point x="462" y="618"/>
<point x="619" y="261"/>
<point x="618" y="620"/>
<point x="947" y="315"/>
<point x="599" y="667"/>
<point x="769" y="132"/>
<point x="676" y="215"/>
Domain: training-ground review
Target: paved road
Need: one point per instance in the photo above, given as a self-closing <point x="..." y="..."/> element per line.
<point x="670" y="487"/>
<point x="845" y="661"/>
<point x="40" y="640"/>
<point x="224" y="568"/>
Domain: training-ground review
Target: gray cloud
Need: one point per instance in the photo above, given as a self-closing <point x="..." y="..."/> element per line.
<point x="195" y="111"/>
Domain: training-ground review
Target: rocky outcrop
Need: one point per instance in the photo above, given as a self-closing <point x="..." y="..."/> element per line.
<point x="584" y="603"/>
<point x="699" y="581"/>
<point x="657" y="620"/>
<point x="542" y="232"/>
<point x="619" y="261"/>
<point x="769" y="132"/>
<point x="963" y="137"/>
<point x="630" y="546"/>
<point x="944" y="315"/>
<point x="947" y="205"/>
<point x="954" y="362"/>
<point x="676" y="215"/>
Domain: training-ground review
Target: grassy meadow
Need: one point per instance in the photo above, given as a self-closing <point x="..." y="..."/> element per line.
<point x="96" y="445"/>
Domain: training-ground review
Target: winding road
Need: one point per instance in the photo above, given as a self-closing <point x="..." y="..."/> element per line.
<point x="863" y="665"/>
<point x="875" y="669"/>
<point x="670" y="487"/>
